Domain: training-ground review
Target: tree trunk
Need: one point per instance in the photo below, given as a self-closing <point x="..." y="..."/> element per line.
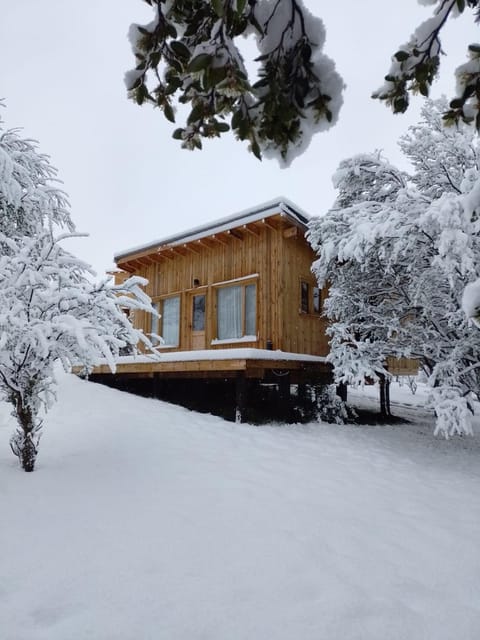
<point x="385" y="410"/>
<point x="28" y="453"/>
<point x="22" y="443"/>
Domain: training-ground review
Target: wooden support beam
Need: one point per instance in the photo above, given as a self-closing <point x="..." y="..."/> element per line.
<point x="290" y="232"/>
<point x="128" y="267"/>
<point x="176" y="251"/>
<point x="216" y="237"/>
<point x="284" y="396"/>
<point x="188" y="247"/>
<point x="268" y="224"/>
<point x="145" y="261"/>
<point x="240" y="398"/>
<point x="248" y="228"/>
<point x="165" y="254"/>
<point x="157" y="257"/>
<point x="236" y="234"/>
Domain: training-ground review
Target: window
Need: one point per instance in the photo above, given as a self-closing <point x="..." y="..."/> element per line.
<point x="236" y="312"/>
<point x="168" y="325"/>
<point x="198" y="313"/>
<point x="310" y="298"/>
<point x="317" y="300"/>
<point x="304" y="296"/>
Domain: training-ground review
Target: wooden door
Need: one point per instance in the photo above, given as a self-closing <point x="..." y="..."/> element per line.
<point x="197" y="321"/>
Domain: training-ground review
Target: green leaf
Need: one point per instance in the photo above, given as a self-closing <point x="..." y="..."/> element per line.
<point x="241" y="6"/>
<point x="401" y="56"/>
<point x="475" y="48"/>
<point x="222" y="127"/>
<point x="218" y="7"/>
<point x="255" y="149"/>
<point x="236" y="119"/>
<point x="456" y="103"/>
<point x="140" y="94"/>
<point x="168" y="111"/>
<point x="400" y="104"/>
<point x="196" y="113"/>
<point x="199" y="63"/>
<point x="423" y="88"/>
<point x="178" y="134"/>
<point x="180" y="50"/>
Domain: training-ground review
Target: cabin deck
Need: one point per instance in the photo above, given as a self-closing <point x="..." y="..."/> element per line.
<point x="233" y="383"/>
<point x="224" y="363"/>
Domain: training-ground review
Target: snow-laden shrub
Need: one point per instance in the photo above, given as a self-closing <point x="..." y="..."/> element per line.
<point x="453" y="410"/>
<point x="331" y="408"/>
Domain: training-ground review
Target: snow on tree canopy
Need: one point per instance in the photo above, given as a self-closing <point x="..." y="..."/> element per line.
<point x="188" y="53"/>
<point x="50" y="310"/>
<point x="28" y="187"/>
<point x="398" y="251"/>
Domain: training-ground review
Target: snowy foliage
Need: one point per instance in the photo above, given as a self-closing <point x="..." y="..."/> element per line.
<point x="331" y="408"/>
<point x="416" y="64"/>
<point x="50" y="310"/>
<point x="471" y="301"/>
<point x="28" y="193"/>
<point x="189" y="50"/>
<point x="188" y="54"/>
<point x="398" y="253"/>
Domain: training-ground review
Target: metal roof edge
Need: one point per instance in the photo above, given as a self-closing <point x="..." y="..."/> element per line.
<point x="271" y="207"/>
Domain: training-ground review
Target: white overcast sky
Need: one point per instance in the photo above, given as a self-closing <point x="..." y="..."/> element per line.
<point x="61" y="74"/>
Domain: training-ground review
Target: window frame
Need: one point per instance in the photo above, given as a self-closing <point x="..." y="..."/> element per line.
<point x="158" y="303"/>
<point x="307" y="306"/>
<point x="242" y="283"/>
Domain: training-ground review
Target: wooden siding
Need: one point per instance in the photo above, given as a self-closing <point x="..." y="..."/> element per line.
<point x="271" y="253"/>
<point x="300" y="332"/>
<point x="402" y="366"/>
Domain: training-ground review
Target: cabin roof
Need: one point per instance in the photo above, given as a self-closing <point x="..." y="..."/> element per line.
<point x="274" y="207"/>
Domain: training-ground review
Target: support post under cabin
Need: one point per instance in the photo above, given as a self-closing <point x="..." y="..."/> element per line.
<point x="284" y="396"/>
<point x="240" y="398"/>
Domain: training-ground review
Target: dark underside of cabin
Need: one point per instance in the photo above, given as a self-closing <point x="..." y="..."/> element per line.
<point x="253" y="391"/>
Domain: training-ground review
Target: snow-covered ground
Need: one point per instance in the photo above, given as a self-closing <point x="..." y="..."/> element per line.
<point x="145" y="521"/>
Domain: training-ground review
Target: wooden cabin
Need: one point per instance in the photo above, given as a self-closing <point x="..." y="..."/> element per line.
<point x="236" y="299"/>
<point x="243" y="281"/>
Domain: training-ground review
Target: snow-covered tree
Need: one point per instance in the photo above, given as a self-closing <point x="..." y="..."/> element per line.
<point x="398" y="255"/>
<point x="50" y="309"/>
<point x="189" y="53"/>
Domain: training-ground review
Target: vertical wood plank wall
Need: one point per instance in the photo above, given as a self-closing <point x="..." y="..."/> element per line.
<point x="280" y="262"/>
<point x="301" y="332"/>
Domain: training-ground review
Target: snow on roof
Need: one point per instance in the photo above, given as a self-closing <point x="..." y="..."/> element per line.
<point x="278" y="205"/>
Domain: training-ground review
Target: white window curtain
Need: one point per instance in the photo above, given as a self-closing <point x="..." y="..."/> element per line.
<point x="250" y="310"/>
<point x="171" y="321"/>
<point x="229" y="312"/>
<point x="154" y="319"/>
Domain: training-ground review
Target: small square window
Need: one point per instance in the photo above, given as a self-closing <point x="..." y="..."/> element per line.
<point x="317" y="300"/>
<point x="305" y="294"/>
